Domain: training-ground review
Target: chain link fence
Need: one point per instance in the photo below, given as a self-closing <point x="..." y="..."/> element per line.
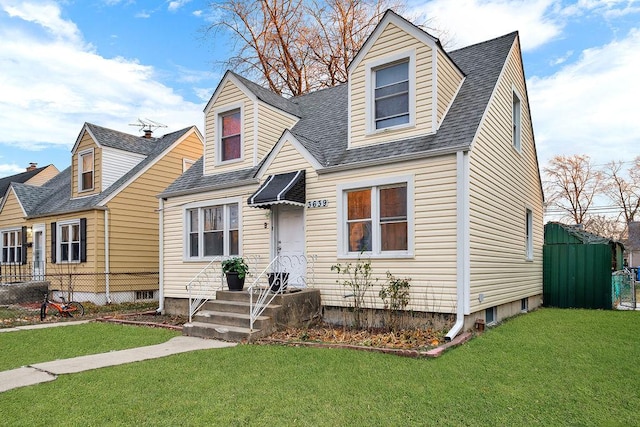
<point x="24" y="284"/>
<point x="625" y="289"/>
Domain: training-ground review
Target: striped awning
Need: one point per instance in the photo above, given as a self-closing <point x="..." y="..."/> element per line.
<point x="286" y="188"/>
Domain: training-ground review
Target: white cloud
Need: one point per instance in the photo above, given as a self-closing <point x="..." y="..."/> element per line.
<point x="588" y="107"/>
<point x="52" y="84"/>
<point x="10" y="169"/>
<point x="177" y="4"/>
<point x="465" y="22"/>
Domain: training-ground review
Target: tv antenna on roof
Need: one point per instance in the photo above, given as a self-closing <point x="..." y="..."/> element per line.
<point x="147" y="125"/>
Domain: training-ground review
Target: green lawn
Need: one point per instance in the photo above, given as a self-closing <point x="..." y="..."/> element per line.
<point x="42" y="345"/>
<point x="550" y="367"/>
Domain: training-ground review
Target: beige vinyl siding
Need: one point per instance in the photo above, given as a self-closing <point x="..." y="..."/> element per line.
<point x="11" y="215"/>
<point x="58" y="273"/>
<point x="86" y="143"/>
<point x="43" y="176"/>
<point x="503" y="184"/>
<point x="271" y="125"/>
<point x="449" y="81"/>
<point x="391" y="41"/>
<point x="133" y="216"/>
<point x="177" y="271"/>
<point x="230" y="95"/>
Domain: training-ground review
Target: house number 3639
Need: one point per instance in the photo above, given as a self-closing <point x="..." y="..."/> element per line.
<point x="317" y="203"/>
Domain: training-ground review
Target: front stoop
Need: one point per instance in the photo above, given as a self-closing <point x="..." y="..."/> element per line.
<point x="227" y="317"/>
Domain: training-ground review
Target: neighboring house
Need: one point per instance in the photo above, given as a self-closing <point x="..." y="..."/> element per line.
<point x="97" y="218"/>
<point x="424" y="163"/>
<point x="32" y="176"/>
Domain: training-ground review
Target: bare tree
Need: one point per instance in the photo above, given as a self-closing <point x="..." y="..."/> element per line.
<point x="572" y="185"/>
<point x="624" y="192"/>
<point x="295" y="46"/>
<point x="605" y="226"/>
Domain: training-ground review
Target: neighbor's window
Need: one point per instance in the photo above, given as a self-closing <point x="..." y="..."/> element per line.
<point x="391" y="95"/>
<point x="529" y="234"/>
<point x="213" y="231"/>
<point x="376" y="219"/>
<point x="12" y="247"/>
<point x="516" y="110"/>
<point x="230" y="135"/>
<point x="85" y="171"/>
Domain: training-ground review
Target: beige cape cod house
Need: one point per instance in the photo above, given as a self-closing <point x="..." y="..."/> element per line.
<point x="424" y="163"/>
<point x="93" y="228"/>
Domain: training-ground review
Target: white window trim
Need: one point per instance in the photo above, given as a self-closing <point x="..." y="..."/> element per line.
<point x="80" y="170"/>
<point x="516" y="139"/>
<point x="369" y="91"/>
<point x="11" y="230"/>
<point x="206" y="204"/>
<point x="528" y="236"/>
<point x="59" y="226"/>
<point x="341" y="198"/>
<point x="219" y="112"/>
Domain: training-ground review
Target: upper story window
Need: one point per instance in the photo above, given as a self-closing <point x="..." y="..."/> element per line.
<point x="213" y="231"/>
<point x="12" y="247"/>
<point x="377" y="219"/>
<point x="230" y="142"/>
<point x="85" y="171"/>
<point x="391" y="97"/>
<point x="517" y="129"/>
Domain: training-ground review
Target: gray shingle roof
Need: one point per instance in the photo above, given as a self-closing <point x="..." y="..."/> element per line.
<point x="193" y="179"/>
<point x="323" y="125"/>
<point x="268" y="97"/>
<point x="19" y="178"/>
<point x="54" y="197"/>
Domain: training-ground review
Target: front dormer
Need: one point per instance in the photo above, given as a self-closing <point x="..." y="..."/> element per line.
<point x="86" y="175"/>
<point x="401" y="84"/>
<point x="242" y="123"/>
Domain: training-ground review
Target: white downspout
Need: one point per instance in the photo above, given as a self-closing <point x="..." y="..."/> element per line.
<point x="107" y="293"/>
<point x="462" y="242"/>
<point x="161" y="255"/>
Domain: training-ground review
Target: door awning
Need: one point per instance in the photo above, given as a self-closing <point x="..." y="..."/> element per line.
<point x="286" y="188"/>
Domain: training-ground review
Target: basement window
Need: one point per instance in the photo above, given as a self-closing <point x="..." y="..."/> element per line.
<point x="140" y="295"/>
<point x="490" y="316"/>
<point x="524" y="304"/>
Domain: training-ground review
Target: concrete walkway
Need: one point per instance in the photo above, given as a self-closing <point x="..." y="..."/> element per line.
<point x="49" y="371"/>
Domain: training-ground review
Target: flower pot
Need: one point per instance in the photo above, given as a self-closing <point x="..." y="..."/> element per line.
<point x="278" y="281"/>
<point x="234" y="282"/>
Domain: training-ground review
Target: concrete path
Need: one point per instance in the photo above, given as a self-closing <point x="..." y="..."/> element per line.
<point x="48" y="371"/>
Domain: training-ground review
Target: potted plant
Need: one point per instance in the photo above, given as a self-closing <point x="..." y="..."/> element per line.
<point x="236" y="270"/>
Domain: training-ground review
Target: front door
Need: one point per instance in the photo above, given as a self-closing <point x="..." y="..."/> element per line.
<point x="289" y="242"/>
<point x="38" y="252"/>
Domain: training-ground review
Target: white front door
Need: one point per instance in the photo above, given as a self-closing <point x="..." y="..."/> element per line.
<point x="38" y="252"/>
<point x="289" y="241"/>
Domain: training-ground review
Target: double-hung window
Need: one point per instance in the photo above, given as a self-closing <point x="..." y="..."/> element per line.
<point x="69" y="241"/>
<point x="391" y="95"/>
<point x="12" y="250"/>
<point x="230" y="125"/>
<point x="377" y="219"/>
<point x="85" y="170"/>
<point x="213" y="231"/>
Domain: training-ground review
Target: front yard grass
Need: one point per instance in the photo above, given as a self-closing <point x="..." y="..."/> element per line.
<point x="23" y="348"/>
<point x="549" y="367"/>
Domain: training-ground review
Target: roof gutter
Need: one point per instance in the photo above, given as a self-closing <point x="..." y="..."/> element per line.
<point x="462" y="242"/>
<point x="392" y="159"/>
<point x="249" y="181"/>
<point x="84" y="209"/>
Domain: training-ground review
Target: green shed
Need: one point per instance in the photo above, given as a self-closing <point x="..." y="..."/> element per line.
<point x="577" y="267"/>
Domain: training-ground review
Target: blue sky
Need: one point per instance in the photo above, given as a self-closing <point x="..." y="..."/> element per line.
<point x="110" y="62"/>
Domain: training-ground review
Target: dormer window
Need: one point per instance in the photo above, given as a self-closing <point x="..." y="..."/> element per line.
<point x="85" y="170"/>
<point x="230" y="135"/>
<point x="390" y="92"/>
<point x="391" y="95"/>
